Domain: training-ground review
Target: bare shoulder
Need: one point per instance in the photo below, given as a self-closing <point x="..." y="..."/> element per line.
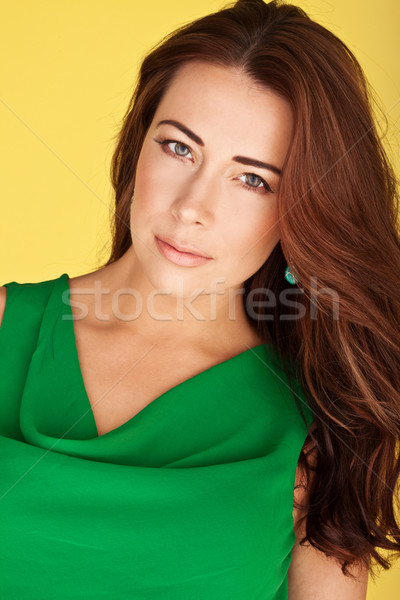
<point x="312" y="574"/>
<point x="3" y="297"/>
<point x="315" y="576"/>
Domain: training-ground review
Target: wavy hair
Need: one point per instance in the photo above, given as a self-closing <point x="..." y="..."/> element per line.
<point x="338" y="210"/>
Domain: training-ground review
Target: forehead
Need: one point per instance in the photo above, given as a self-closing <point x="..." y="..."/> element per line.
<point x="223" y="101"/>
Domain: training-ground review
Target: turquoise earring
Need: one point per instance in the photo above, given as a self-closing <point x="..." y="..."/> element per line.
<point x="132" y="196"/>
<point x="289" y="275"/>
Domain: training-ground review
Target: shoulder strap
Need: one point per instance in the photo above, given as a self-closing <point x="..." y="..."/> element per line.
<point x="24" y="310"/>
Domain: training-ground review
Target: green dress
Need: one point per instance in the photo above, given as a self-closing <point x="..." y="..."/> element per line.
<point x="191" y="499"/>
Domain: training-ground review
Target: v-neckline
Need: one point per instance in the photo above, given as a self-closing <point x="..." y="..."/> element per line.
<point x="81" y="383"/>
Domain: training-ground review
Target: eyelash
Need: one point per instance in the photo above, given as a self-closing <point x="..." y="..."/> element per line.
<point x="250" y="188"/>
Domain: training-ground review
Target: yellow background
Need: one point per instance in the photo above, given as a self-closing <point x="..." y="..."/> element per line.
<point x="67" y="71"/>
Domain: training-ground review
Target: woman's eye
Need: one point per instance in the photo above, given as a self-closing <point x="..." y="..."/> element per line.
<point x="255" y="182"/>
<point x="180" y="149"/>
<point x="174" y="148"/>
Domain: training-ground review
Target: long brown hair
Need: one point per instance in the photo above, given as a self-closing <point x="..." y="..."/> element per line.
<point x="338" y="215"/>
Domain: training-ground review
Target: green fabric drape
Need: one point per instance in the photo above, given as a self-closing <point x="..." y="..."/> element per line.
<point x="190" y="499"/>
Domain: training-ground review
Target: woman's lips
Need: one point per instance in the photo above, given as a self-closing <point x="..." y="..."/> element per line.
<point x="179" y="257"/>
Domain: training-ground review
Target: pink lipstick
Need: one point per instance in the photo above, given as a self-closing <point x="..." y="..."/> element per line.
<point x="181" y="254"/>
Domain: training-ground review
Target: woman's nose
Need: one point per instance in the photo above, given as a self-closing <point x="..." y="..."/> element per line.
<point x="195" y="205"/>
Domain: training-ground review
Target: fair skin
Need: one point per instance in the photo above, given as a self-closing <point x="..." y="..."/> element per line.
<point x="312" y="575"/>
<point x="200" y="198"/>
<point x="192" y="189"/>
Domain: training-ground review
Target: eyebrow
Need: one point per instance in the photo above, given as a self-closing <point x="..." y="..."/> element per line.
<point x="244" y="160"/>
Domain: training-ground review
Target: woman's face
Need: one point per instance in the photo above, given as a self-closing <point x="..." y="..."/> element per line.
<point x="207" y="178"/>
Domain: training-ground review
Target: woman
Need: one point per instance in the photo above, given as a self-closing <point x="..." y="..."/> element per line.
<point x="155" y="447"/>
